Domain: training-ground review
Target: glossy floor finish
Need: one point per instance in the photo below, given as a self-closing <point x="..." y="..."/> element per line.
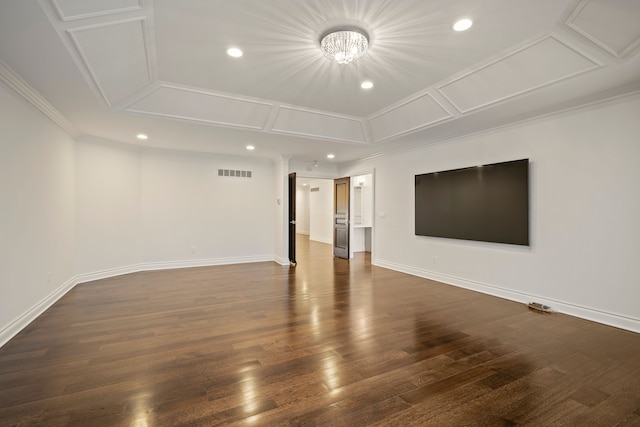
<point x="330" y="342"/>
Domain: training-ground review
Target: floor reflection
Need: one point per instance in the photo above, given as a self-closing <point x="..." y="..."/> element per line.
<point x="328" y="342"/>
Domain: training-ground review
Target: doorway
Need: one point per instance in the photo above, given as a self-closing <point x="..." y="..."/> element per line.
<point x="341" y="217"/>
<point x="314" y="211"/>
<point x="362" y="213"/>
<point x="314" y="204"/>
<point x="292" y="219"/>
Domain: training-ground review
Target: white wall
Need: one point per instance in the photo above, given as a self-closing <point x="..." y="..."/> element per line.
<point x="280" y="207"/>
<point x="37" y="213"/>
<point x="189" y="212"/>
<point x="157" y="209"/>
<point x="108" y="207"/>
<point x="302" y="209"/>
<point x="585" y="205"/>
<point x="116" y="208"/>
<point x="321" y="211"/>
<point x="326" y="169"/>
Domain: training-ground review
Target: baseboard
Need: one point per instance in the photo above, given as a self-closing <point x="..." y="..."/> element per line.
<point x="105" y="274"/>
<point x="169" y="265"/>
<point x="13" y="328"/>
<point x="328" y="241"/>
<point x="280" y="260"/>
<point x="588" y="313"/>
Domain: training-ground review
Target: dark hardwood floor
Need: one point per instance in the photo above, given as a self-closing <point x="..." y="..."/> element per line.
<point x="330" y="342"/>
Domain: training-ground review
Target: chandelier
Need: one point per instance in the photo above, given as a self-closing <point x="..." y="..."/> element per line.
<point x="344" y="45"/>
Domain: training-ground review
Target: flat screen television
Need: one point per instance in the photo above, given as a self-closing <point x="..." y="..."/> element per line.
<point x="488" y="203"/>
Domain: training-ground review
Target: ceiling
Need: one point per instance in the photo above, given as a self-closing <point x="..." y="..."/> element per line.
<point x="110" y="69"/>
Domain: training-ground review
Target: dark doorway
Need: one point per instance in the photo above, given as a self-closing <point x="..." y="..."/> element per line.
<point x="292" y="219"/>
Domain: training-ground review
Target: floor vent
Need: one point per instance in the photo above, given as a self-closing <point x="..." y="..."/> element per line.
<point x="234" y="173"/>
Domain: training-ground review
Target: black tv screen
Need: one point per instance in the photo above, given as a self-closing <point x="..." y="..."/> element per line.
<point x="488" y="203"/>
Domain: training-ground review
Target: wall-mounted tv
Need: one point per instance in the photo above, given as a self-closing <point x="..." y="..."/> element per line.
<point x="488" y="203"/>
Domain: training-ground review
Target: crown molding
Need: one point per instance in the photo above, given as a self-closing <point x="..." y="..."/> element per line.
<point x="22" y="88"/>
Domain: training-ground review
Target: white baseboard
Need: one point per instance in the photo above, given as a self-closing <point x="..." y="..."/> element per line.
<point x="588" y="313"/>
<point x="29" y="316"/>
<point x="104" y="274"/>
<point x="13" y="328"/>
<point x="168" y="265"/>
<point x="280" y="260"/>
<point x="600" y="316"/>
<point x="328" y="241"/>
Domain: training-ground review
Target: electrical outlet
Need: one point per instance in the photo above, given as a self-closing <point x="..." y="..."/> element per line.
<point x="193" y="249"/>
<point x="435" y="260"/>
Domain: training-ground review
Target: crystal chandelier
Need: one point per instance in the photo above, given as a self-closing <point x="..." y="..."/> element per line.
<point x="344" y="45"/>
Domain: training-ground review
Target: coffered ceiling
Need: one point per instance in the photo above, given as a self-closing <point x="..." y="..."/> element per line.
<point x="116" y="68"/>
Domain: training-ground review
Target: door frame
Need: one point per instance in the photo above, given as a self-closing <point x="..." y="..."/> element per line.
<point x="291" y="223"/>
<point x="340" y="222"/>
<point x="374" y="215"/>
<point x="371" y="172"/>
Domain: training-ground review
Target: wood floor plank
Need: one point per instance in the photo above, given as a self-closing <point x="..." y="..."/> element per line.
<point x="331" y="342"/>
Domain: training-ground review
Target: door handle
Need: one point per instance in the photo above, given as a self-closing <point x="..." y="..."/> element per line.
<point x="292" y="222"/>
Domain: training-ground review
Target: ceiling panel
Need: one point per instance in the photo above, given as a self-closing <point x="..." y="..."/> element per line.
<point x="612" y="25"/>
<point x="100" y="61"/>
<point x="201" y="106"/>
<point x="539" y="64"/>
<point x="69" y="10"/>
<point x="412" y="46"/>
<point x="302" y="122"/>
<point x="116" y="56"/>
<point x="409" y="116"/>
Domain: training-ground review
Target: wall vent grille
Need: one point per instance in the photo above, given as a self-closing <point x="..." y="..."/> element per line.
<point x="234" y="173"/>
<point x="315" y="189"/>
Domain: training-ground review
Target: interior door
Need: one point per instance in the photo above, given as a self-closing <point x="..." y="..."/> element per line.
<point x="341" y="218"/>
<point x="292" y="219"/>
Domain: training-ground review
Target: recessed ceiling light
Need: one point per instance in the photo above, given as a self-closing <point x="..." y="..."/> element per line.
<point x="234" y="52"/>
<point x="366" y="85"/>
<point x="250" y="147"/>
<point x="463" y="24"/>
<point x="142" y="136"/>
<point x="331" y="156"/>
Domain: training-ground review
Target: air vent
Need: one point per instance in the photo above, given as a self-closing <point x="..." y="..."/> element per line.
<point x="315" y="189"/>
<point x="234" y="173"/>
